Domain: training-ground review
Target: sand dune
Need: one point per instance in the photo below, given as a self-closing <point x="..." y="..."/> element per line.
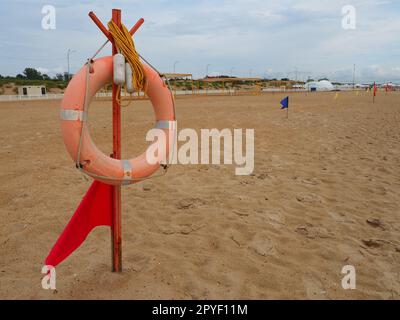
<point x="325" y="193"/>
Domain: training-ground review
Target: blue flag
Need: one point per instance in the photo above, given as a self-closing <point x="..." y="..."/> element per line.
<point x="285" y="103"/>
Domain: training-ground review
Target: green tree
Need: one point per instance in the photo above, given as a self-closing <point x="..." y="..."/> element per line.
<point x="32" y="74"/>
<point x="59" y="77"/>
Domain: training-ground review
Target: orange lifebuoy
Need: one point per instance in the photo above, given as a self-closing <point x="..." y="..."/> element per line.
<point x="77" y="138"/>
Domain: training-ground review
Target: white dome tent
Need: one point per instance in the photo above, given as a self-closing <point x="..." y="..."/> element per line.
<point x="323" y="85"/>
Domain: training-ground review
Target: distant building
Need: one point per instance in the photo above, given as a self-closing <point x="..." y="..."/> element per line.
<point x="323" y="85"/>
<point x="32" y="91"/>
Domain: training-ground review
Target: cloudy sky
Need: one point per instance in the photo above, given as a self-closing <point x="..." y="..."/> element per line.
<point x="263" y="38"/>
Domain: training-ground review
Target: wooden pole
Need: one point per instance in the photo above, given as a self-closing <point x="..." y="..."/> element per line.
<point x="116" y="242"/>
<point x="136" y="26"/>
<point x="287" y="110"/>
<point x="116" y="236"/>
<point x="100" y="26"/>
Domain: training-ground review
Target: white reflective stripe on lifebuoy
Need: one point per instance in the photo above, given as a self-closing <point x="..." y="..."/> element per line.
<point x="71" y="115"/>
<point x="165" y="124"/>
<point x="127" y="170"/>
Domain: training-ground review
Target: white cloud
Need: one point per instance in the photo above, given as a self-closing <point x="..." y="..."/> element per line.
<point x="42" y="70"/>
<point x="51" y="71"/>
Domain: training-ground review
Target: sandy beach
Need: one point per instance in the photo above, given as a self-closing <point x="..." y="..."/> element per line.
<point x="324" y="194"/>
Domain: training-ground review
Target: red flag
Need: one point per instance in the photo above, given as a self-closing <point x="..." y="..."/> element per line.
<point x="375" y="89"/>
<point x="94" y="210"/>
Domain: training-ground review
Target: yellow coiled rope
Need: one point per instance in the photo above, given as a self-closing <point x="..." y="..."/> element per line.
<point x="124" y="42"/>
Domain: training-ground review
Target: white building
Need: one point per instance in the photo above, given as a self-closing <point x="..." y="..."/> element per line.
<point x="323" y="85"/>
<point x="32" y="91"/>
<point x="362" y="86"/>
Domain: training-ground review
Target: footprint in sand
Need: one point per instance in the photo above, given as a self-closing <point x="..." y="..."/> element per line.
<point x="314" y="288"/>
<point x="262" y="246"/>
<point x="308" y="198"/>
<point x="376" y="223"/>
<point x="262" y="176"/>
<point x="311" y="181"/>
<point x="241" y="213"/>
<point x="338" y="217"/>
<point x="241" y="236"/>
<point x="190" y="203"/>
<point x="138" y="262"/>
<point x="183" y="229"/>
<point x="312" y="232"/>
<point x="372" y="243"/>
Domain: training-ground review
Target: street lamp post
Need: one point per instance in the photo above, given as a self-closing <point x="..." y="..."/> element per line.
<point x="68" y="56"/>
<point x="175" y="63"/>
<point x="208" y="66"/>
